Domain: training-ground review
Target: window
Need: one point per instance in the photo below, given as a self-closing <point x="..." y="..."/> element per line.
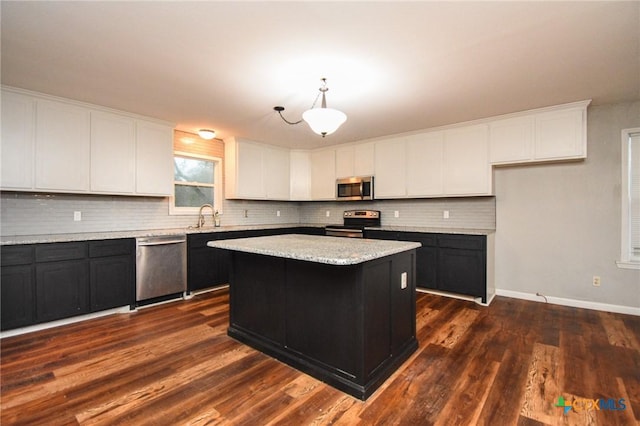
<point x="197" y="181"/>
<point x="630" y="257"/>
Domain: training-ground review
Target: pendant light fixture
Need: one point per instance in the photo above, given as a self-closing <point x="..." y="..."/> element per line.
<point x="323" y="121"/>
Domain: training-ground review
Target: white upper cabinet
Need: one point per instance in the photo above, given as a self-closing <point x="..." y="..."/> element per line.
<point x="323" y="174"/>
<point x="390" y="168"/>
<point x="511" y="139"/>
<point x="276" y="172"/>
<point x="17" y="141"/>
<point x="113" y="153"/>
<point x="424" y="164"/>
<point x="59" y="145"/>
<point x="355" y="160"/>
<point x="154" y="159"/>
<point x="300" y="175"/>
<point x="561" y="134"/>
<point x="255" y="171"/>
<point x="466" y="168"/>
<point x="62" y="147"/>
<point x="549" y="134"/>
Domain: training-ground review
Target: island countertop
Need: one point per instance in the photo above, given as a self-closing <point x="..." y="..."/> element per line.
<point x="319" y="249"/>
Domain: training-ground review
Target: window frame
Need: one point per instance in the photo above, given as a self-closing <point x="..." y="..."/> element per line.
<point x="627" y="259"/>
<point x="217" y="186"/>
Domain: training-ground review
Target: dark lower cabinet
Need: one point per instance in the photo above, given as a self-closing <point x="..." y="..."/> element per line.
<point x="17" y="285"/>
<point x="61" y="289"/>
<point x="112" y="274"/>
<point x="455" y="263"/>
<point x="209" y="267"/>
<point x="462" y="264"/>
<point x="47" y="282"/>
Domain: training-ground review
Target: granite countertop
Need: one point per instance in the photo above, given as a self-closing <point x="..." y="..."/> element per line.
<point x="89" y="236"/>
<point x="319" y="249"/>
<point x="432" y="230"/>
<point x="6" y="240"/>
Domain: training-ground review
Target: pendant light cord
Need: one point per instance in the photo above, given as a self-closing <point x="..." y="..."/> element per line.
<point x="321" y="91"/>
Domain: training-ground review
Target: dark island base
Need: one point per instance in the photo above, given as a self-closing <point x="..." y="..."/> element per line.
<point x="349" y="326"/>
<point x="316" y="370"/>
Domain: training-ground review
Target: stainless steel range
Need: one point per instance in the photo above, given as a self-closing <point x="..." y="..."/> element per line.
<point x="354" y="222"/>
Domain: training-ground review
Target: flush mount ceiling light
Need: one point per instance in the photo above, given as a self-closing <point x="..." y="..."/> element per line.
<point x="207" y="134"/>
<point x="323" y="120"/>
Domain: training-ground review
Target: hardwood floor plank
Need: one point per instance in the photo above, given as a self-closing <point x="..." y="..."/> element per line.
<point x="544" y="384"/>
<point x="174" y="364"/>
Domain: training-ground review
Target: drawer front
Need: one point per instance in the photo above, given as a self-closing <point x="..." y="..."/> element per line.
<point x="467" y="242"/>
<point x="16" y="255"/>
<point x="60" y="251"/>
<point x="104" y="248"/>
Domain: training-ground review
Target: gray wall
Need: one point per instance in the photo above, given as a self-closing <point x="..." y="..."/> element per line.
<point x="558" y="225"/>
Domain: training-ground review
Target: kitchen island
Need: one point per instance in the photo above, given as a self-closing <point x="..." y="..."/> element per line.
<point x="339" y="309"/>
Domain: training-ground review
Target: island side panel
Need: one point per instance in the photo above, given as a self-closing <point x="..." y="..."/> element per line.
<point x="403" y="302"/>
<point x="322" y="315"/>
<point x="257" y="295"/>
<point x="376" y="300"/>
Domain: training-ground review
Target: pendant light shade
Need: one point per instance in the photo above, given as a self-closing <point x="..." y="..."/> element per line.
<point x="323" y="121"/>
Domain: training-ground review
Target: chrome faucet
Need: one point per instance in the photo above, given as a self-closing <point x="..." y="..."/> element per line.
<point x="201" y="216"/>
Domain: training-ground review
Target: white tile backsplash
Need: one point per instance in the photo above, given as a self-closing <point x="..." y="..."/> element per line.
<point x="471" y="212"/>
<point x="28" y="213"/>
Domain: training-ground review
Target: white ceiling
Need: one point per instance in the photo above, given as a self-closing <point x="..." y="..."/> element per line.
<point x="392" y="67"/>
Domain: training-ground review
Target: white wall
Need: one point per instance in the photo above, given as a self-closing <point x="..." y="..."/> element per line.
<point x="558" y="225"/>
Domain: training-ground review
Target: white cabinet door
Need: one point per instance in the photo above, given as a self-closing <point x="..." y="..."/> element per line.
<point x="560" y="134"/>
<point x="113" y="153"/>
<point x="323" y="175"/>
<point x="154" y="159"/>
<point x="364" y="159"/>
<point x="424" y="164"/>
<point x="18" y="122"/>
<point x="390" y="166"/>
<point x="276" y="165"/>
<point x="345" y="159"/>
<point x="62" y="147"/>
<point x="355" y="160"/>
<point x="249" y="171"/>
<point x="466" y="161"/>
<point x="511" y="140"/>
<point x="300" y="174"/>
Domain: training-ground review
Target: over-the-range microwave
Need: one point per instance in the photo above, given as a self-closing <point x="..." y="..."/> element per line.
<point x="354" y="188"/>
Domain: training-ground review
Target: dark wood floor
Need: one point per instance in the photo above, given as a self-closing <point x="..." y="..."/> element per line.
<point x="173" y="364"/>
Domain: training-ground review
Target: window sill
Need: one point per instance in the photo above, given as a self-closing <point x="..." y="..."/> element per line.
<point x="627" y="264"/>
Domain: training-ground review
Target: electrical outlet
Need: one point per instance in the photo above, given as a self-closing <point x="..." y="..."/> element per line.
<point x="445" y="214"/>
<point x="77" y="216"/>
<point x="278" y="213"/>
<point x="396" y="213"/>
<point x="403" y="280"/>
<point x="596" y="281"/>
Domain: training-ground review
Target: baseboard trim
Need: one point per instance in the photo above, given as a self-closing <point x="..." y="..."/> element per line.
<point x="629" y="310"/>
<point x="65" y="321"/>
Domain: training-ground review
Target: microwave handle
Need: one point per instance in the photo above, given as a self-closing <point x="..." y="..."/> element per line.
<point x="361" y="190"/>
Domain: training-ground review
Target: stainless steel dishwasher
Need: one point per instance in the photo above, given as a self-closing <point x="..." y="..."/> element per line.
<point x="161" y="266"/>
